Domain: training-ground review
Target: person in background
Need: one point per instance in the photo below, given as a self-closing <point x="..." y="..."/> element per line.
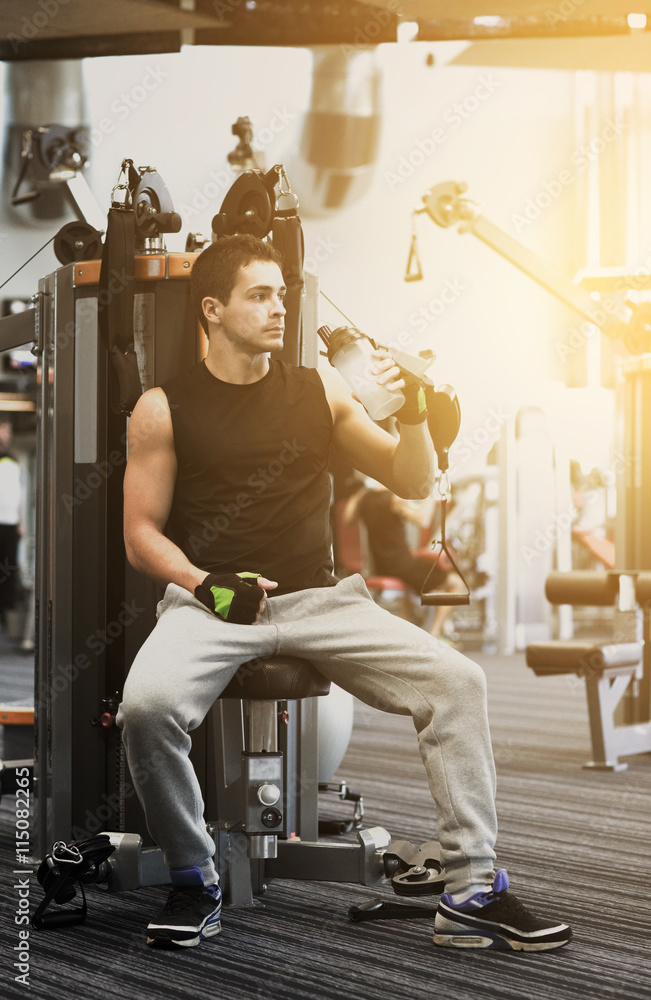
<point x="384" y="516"/>
<point x="10" y="502"/>
<point x="589" y="529"/>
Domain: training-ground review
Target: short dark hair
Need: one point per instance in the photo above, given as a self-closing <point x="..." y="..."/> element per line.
<point x="216" y="270"/>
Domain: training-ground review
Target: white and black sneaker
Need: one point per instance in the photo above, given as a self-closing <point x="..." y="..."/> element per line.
<point x="192" y="912"/>
<point x="496" y="919"/>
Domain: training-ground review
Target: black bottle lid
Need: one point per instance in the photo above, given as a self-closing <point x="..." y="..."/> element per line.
<point x="334" y="340"/>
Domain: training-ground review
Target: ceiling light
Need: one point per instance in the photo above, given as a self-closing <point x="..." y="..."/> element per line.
<point x="407" y="31"/>
<point x="488" y="20"/>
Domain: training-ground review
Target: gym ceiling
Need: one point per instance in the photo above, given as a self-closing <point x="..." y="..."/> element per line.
<point x="567" y="34"/>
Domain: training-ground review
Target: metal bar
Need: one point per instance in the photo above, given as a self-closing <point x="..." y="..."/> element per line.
<point x="86" y="381"/>
<point x="42" y="679"/>
<point x="306" y="713"/>
<point x="361" y="862"/>
<point x="18" y="329"/>
<point x="603" y="698"/>
<point x="600" y="313"/>
<point x="317" y="861"/>
<point x="606" y="280"/>
<point x="446" y="207"/>
<point x="83" y="200"/>
<point x="507" y="545"/>
<point x="263" y="726"/>
<point x="59" y="542"/>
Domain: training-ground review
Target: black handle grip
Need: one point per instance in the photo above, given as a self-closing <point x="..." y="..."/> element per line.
<point x="444" y="599"/>
<point x="64" y="919"/>
<point x="168" y="222"/>
<point x="22" y="199"/>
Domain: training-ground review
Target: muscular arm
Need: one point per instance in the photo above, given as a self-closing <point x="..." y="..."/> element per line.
<point x="406" y="466"/>
<point x="148" y="490"/>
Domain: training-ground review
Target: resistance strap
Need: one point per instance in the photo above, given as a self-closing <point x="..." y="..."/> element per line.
<point x="287" y="237"/>
<point x="115" y="309"/>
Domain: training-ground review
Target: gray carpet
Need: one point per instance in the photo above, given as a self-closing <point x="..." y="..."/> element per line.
<point x="575" y="844"/>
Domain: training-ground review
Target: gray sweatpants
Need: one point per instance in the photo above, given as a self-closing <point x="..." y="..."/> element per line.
<point x="191" y="655"/>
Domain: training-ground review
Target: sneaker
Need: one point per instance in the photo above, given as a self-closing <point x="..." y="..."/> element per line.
<point x="496" y="919"/>
<point x="192" y="912"/>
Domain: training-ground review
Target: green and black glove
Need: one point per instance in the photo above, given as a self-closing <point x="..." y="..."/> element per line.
<point x="234" y="597"/>
<point x="414" y="409"/>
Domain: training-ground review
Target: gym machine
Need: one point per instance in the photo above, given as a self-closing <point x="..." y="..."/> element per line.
<point x="53" y="157"/>
<point x="103" y="332"/>
<point x="617" y="687"/>
<point x="618" y="670"/>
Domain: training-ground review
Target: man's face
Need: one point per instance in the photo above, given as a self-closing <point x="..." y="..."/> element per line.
<point x="254" y="318"/>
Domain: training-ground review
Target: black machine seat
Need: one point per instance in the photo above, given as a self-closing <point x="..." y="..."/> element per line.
<point x="575" y="656"/>
<point x="279" y="678"/>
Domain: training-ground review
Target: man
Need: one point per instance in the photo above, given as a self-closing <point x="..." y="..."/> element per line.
<point x="226" y="501"/>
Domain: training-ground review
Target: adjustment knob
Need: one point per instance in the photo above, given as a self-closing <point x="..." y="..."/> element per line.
<point x="268" y="794"/>
<point x="271" y="818"/>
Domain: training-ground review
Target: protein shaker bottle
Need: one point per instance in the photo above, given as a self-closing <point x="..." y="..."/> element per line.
<point x="350" y="352"/>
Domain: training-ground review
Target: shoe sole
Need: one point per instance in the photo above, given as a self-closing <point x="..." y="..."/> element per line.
<point x="164" y="940"/>
<point x="494" y="941"/>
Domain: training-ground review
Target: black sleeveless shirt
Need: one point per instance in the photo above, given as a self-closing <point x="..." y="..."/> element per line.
<point x="252" y="489"/>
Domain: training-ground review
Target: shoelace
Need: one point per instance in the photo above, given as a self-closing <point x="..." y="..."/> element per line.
<point x="510" y="903"/>
<point x="183" y="897"/>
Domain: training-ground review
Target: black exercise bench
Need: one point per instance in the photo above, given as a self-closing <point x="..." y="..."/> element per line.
<point x="617" y="671"/>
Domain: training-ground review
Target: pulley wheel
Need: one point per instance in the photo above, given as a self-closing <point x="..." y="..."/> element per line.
<point x="442" y="203"/>
<point x="151" y="201"/>
<point x="60" y="146"/>
<point x="247" y="208"/>
<point x="418" y="881"/>
<point x="77" y="241"/>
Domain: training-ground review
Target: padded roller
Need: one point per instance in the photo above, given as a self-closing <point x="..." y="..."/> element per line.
<point x="577" y="588"/>
<point x="278" y="678"/>
<point x="582" y="658"/>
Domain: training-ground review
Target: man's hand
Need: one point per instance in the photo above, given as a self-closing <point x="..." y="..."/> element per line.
<point x="385" y="371"/>
<point x="238" y="598"/>
<point x="389" y="373"/>
<point x="414" y="409"/>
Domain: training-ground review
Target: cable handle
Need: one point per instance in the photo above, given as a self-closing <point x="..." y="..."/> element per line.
<point x="440" y="598"/>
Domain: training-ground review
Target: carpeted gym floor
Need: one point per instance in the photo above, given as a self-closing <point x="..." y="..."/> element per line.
<point x="575" y="844"/>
